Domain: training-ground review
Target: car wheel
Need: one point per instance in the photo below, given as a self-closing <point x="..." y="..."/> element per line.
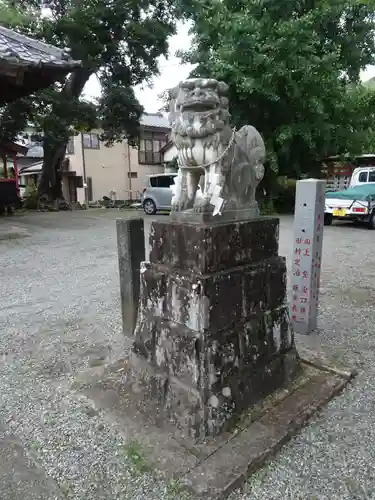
<point x="328" y="219"/>
<point x="371" y="221"/>
<point x="149" y="207"/>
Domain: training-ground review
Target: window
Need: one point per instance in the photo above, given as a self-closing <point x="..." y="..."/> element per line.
<point x="150" y="145"/>
<point x="363" y="177"/>
<point x="91" y="141"/>
<point x="162" y="181"/>
<point x="70" y="146"/>
<point x="371" y="176"/>
<point x="133" y="175"/>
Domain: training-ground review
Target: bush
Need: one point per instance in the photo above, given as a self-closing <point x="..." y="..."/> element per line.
<point x="31" y="197"/>
<point x="266" y="207"/>
<point x="285" y="196"/>
<point x="281" y="197"/>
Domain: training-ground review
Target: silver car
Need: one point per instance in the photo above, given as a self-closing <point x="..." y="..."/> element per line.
<point x="157" y="195"/>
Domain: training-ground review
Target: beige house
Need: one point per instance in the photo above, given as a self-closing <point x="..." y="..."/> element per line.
<point x="101" y="170"/>
<point x="120" y="168"/>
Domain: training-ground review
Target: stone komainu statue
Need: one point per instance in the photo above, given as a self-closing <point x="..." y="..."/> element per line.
<point x="231" y="162"/>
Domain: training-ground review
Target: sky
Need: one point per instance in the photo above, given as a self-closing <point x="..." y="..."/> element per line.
<point x="171" y="73"/>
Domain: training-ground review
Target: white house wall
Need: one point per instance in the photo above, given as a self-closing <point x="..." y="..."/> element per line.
<point x="170" y="154"/>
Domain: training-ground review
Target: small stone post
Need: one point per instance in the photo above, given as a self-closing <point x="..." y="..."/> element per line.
<point x="307" y="254"/>
<point x="131" y="252"/>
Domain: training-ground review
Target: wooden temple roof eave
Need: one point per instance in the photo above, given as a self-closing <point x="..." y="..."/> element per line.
<point x="19" y="65"/>
<point x="28" y="82"/>
<point x="10" y="147"/>
<point x="28" y="65"/>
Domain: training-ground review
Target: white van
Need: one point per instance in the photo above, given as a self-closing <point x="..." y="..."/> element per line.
<point x="362" y="175"/>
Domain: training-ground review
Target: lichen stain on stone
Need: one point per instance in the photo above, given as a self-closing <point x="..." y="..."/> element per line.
<point x="277" y="335"/>
<point x="160" y="357"/>
<point x="214" y="401"/>
<point x="290" y="332"/>
<point x="144" y="266"/>
<point x="226" y="392"/>
<point x="176" y="306"/>
<point x="193" y="316"/>
<point x="151" y="239"/>
<point x="194" y="365"/>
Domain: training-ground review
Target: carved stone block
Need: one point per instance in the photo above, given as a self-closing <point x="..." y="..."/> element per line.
<point x="211" y="248"/>
<point x="213" y="325"/>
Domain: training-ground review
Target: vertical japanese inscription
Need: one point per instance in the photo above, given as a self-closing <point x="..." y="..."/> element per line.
<point x="307" y="252"/>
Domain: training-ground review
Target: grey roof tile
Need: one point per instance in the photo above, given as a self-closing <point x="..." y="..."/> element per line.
<point x="34" y="168"/>
<point x="157" y="120"/>
<point x="23" y="50"/>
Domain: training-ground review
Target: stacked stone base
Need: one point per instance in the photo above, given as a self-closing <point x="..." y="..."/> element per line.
<point x="213" y="326"/>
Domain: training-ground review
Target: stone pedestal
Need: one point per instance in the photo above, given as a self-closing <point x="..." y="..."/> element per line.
<point x="213" y="325"/>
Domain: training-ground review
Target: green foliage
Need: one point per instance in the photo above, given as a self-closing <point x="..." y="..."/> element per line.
<point x="293" y="72"/>
<point x="285" y="195"/>
<point x="118" y="41"/>
<point x="134" y="453"/>
<point x="175" y="491"/>
<point x="280" y="198"/>
<point x="363" y="102"/>
<point x="11" y="15"/>
<point x="173" y="164"/>
<point x="113" y="103"/>
<point x="14" y="117"/>
<point x="266" y="207"/>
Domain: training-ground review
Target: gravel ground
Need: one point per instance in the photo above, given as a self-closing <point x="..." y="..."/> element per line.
<point x="60" y="314"/>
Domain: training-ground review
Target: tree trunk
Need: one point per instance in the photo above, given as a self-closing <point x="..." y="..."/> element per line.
<point x="55" y="141"/>
<point x="50" y="183"/>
